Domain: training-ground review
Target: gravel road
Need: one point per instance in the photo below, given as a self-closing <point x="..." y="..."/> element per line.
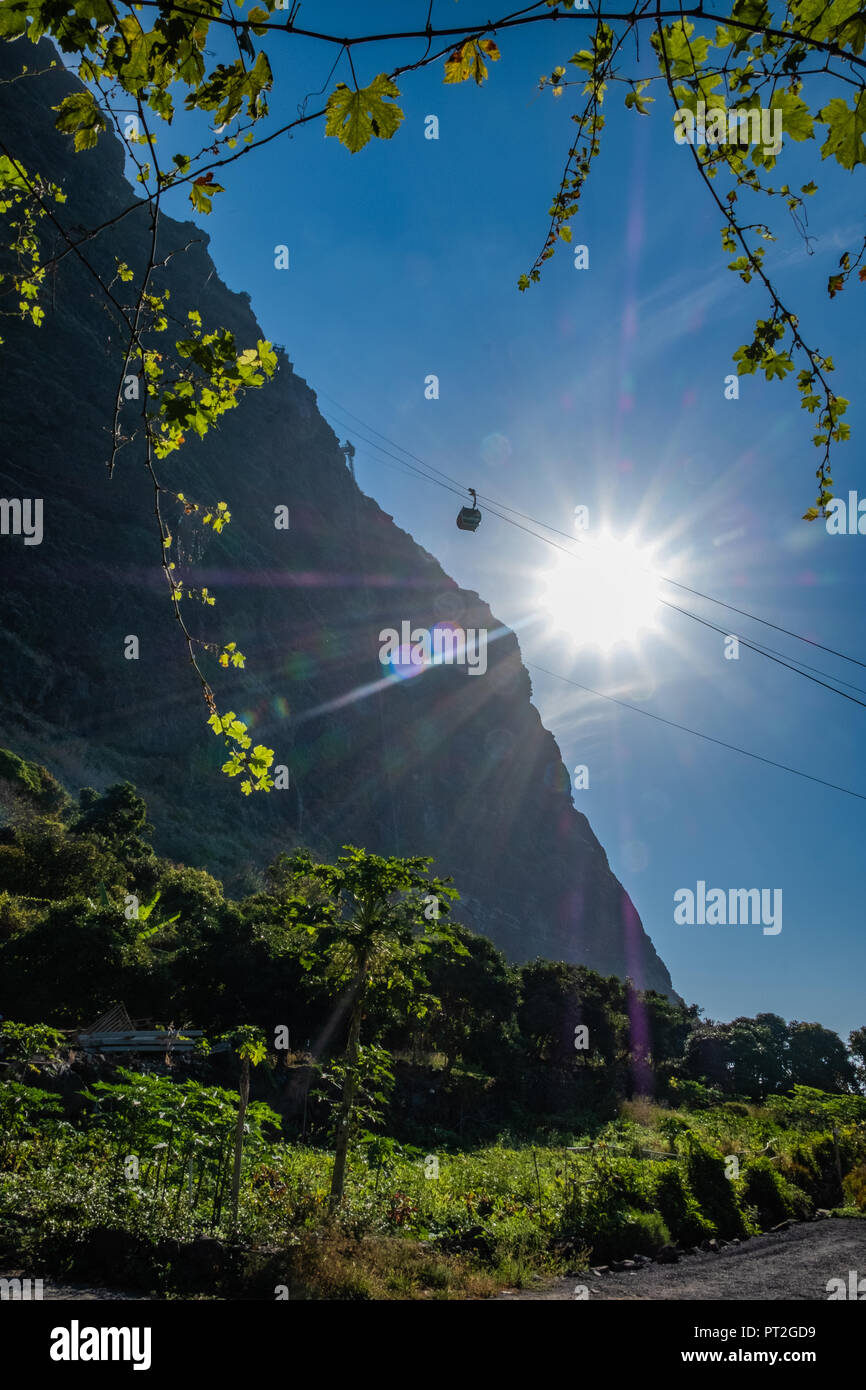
<point x="796" y="1263"/>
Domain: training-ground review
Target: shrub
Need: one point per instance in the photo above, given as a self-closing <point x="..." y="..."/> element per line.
<point x="518" y="1237"/>
<point x="813" y="1167"/>
<point x="693" y="1095"/>
<point x="854" y="1187"/>
<point x="15" y="916"/>
<point x="773" y="1198"/>
<point x="671" y="1126"/>
<point x="34" y="784"/>
<point x="712" y="1189"/>
<point x="621" y="1234"/>
<point x="680" y="1212"/>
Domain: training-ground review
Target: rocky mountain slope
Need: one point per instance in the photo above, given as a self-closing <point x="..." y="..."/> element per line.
<point x="449" y="764"/>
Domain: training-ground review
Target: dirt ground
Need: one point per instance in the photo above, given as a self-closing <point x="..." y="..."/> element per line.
<point x="795" y="1264"/>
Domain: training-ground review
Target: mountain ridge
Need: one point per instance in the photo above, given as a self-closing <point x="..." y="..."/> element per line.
<point x="450" y="764"/>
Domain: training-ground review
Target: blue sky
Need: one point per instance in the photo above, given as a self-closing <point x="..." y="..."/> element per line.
<point x="602" y="387"/>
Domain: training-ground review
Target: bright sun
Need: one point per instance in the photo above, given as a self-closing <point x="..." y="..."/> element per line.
<point x="606" y="595"/>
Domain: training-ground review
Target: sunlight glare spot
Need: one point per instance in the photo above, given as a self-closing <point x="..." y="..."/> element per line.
<point x="606" y="595"/>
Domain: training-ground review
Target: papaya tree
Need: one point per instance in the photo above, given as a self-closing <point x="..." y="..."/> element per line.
<point x="248" y="1044"/>
<point x="385" y="916"/>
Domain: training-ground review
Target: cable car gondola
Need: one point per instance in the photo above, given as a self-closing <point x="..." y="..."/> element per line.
<point x="469" y="518"/>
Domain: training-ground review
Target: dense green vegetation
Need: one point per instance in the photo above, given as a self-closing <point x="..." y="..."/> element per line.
<point x="411" y="1224"/>
<point x="417" y="1116"/>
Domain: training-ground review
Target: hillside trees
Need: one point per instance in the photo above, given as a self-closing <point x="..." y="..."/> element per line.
<point x="556" y="999"/>
<point x="759" y="1052"/>
<point x="71" y="966"/>
<point x="857" y="1049"/>
<point x="28" y="789"/>
<point x="349" y="955"/>
<point x="668" y="1027"/>
<point x="118" y="815"/>
<point x="477" y="993"/>
<point x="708" y="1056"/>
<point x="41" y="862"/>
<point x="819" y="1059"/>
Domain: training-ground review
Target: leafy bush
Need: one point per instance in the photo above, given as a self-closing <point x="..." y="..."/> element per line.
<point x="854" y="1187"/>
<point x="693" y="1095"/>
<point x="680" y="1211"/>
<point x="617" y="1235"/>
<point x="16" y="915"/>
<point x="711" y="1188"/>
<point x="813" y="1167"/>
<point x="672" y="1126"/>
<point x="773" y="1198"/>
<point x="809" y="1109"/>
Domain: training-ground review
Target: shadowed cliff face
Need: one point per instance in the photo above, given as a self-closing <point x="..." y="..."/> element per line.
<point x="447" y="763"/>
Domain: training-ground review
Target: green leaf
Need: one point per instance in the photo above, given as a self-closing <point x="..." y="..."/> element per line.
<point x="842" y="22"/>
<point x="845" y="132"/>
<point x="686" y="54"/>
<point x="468" y="60"/>
<point x="201" y="193"/>
<point x="257" y="17"/>
<point x="636" y="98"/>
<point x="583" y="59"/>
<point x="746" y="365"/>
<point x="354" y="117"/>
<point x="796" y="116"/>
<point x="144" y="912"/>
<point x="227" y="87"/>
<point x="79" y="113"/>
<point x="13" y="21"/>
<point x="750" y="12"/>
<point x="777" y="364"/>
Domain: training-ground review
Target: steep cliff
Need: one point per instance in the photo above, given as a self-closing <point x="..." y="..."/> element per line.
<point x="449" y="764"/>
